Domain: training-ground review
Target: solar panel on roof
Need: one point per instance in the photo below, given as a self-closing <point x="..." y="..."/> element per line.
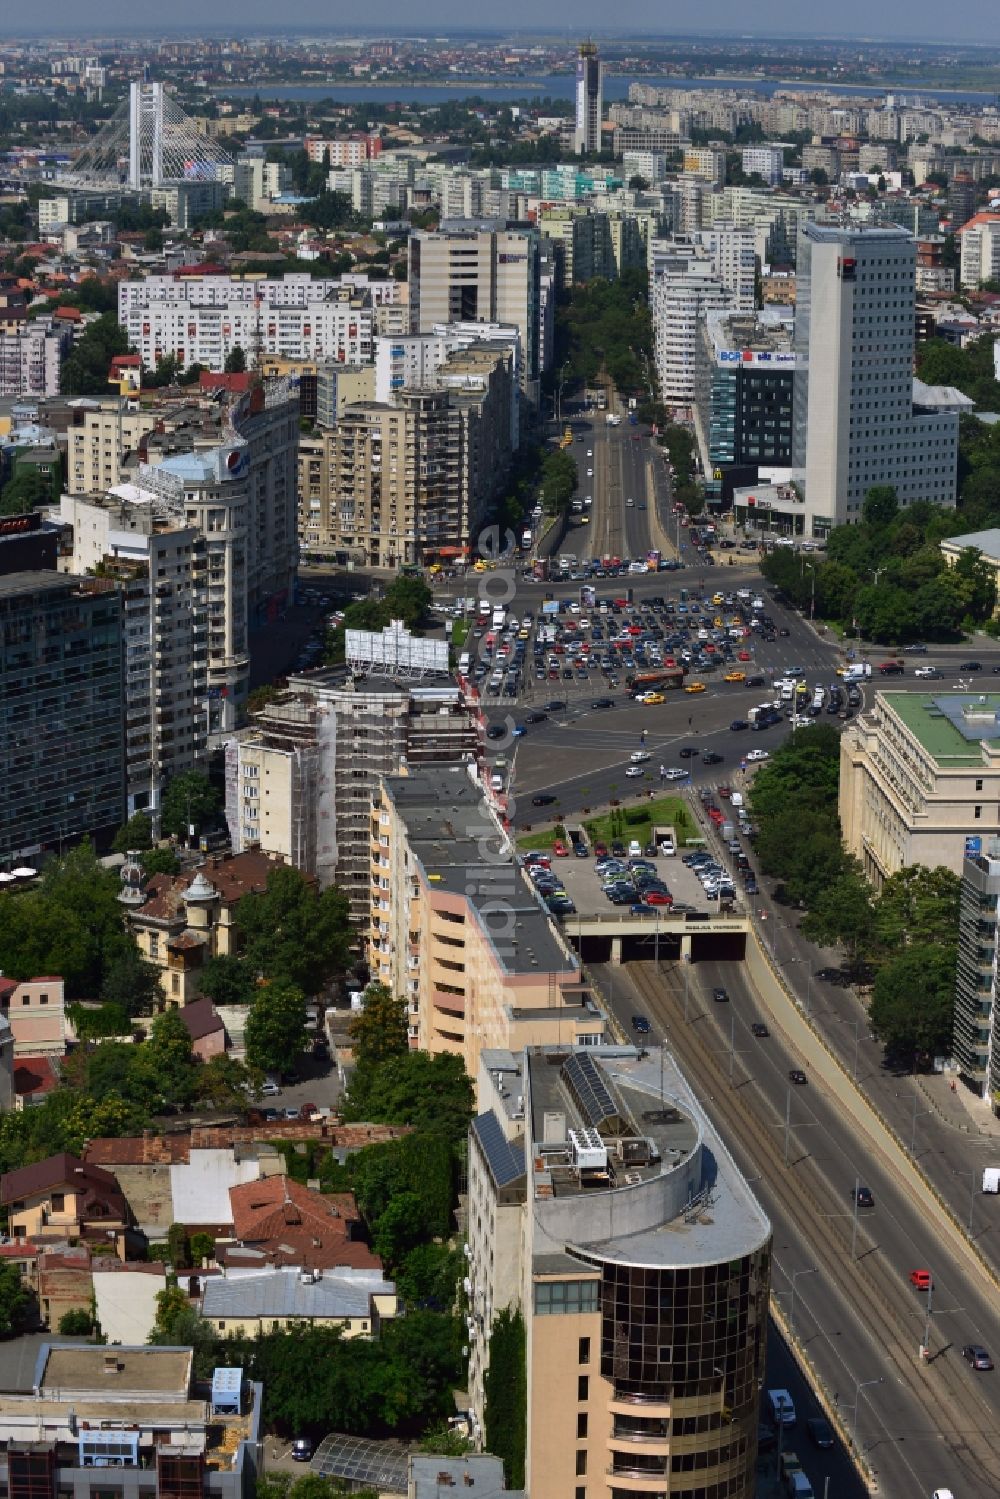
<point x="506" y="1161"/>
<point x="590" y="1092"/>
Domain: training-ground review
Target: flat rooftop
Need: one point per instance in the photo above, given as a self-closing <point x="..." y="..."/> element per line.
<point x="458" y="846"/>
<point x="951" y="727"/>
<point x="138" y="1371"/>
<point x="716" y="1219"/>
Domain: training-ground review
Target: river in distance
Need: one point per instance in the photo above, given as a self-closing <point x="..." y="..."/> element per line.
<point x="562" y="86"/>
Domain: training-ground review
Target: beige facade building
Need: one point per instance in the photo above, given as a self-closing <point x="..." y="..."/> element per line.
<point x="478" y="271"/>
<point x="103" y="433"/>
<point x="301" y="779"/>
<point x="986" y="543"/>
<point x="36" y="1012"/>
<point x="919" y="779"/>
<point x="604" y="1207"/>
<point x="411" y="481"/>
<point x="457" y="929"/>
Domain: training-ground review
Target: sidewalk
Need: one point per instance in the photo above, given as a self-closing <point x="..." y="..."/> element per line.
<point x="957" y="1107"/>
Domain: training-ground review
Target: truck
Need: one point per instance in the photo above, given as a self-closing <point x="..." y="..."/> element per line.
<point x="858" y="671"/>
<point x="526" y="539"/>
<point x="782" y="1408"/>
<point x="991" y="1179"/>
<point x="499" y="615"/>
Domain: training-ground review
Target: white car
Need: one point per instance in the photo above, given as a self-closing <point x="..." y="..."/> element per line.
<point x="634" y="770"/>
<point x="639" y="757"/>
<point x="756" y="755"/>
<point x="590" y="473"/>
<point x="674" y="773"/>
<point x="926" y="671"/>
<point x="630" y="501"/>
<point x="590" y="452"/>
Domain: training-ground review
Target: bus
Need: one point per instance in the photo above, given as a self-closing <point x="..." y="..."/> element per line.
<point x="653" y="560"/>
<point x="664" y="677"/>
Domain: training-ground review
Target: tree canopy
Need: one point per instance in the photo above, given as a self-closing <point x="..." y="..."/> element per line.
<point x="71" y="924"/>
<point x="293" y="932"/>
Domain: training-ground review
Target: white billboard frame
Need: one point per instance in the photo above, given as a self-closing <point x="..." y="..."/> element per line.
<point x="395" y="651"/>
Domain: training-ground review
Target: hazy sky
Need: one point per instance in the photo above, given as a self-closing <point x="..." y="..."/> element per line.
<point x="973" y="20"/>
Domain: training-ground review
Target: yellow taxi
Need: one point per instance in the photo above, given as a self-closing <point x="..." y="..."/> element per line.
<point x="735" y="676"/>
<point x="717" y="621"/>
<point x="584" y="520"/>
<point x="694" y="687"/>
<point x="718" y="598"/>
<point x="480" y="566"/>
<point x="652" y="697"/>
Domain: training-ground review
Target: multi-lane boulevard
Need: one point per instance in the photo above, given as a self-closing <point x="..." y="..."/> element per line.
<point x="842" y="1282"/>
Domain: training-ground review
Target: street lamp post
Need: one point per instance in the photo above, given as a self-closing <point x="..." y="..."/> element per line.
<point x="854" y="1227"/>
<point x="788" y="1119"/>
<point x="791" y="1310"/>
<point x="972" y="1194"/>
<point x="732" y="1043"/>
<point x="926" y="1341"/>
<point x="859" y="1385"/>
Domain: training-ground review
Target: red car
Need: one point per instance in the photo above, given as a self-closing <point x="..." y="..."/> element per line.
<point x="716" y="816"/>
<point x="657" y="898"/>
<point x="600" y="850"/>
<point x="922" y="1279"/>
<point x="560" y="850"/>
<point x="724" y="792"/>
<point x="743" y="655"/>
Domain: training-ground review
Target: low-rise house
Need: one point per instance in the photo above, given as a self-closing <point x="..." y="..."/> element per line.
<point x="205" y="1027"/>
<point x="63" y="1282"/>
<point x="62" y="1197"/>
<point x="36" y="1010"/>
<point x="356" y="1301"/>
<point x="187" y="919"/>
<point x="293" y="1225"/>
<point x="34" y="1079"/>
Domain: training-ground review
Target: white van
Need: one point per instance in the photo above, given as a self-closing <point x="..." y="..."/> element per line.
<point x="464" y="662"/>
<point x="782" y="1407"/>
<point x="736" y="799"/>
<point x="991" y="1179"/>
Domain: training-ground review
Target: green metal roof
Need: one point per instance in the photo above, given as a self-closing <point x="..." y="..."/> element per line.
<point x="935" y="732"/>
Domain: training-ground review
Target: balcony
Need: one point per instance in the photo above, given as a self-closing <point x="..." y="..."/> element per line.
<point x="630" y="1405"/>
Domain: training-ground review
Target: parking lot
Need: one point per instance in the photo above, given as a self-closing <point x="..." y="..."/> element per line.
<point x="583" y="885"/>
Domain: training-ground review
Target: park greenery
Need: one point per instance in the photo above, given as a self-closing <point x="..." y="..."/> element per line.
<point x="902" y="940"/>
<point x="604" y="326"/>
<point x="407" y="598"/>
<point x="886" y="579"/>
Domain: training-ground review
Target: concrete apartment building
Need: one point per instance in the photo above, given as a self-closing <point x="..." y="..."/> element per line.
<point x="766" y="161"/>
<point x="683" y="286"/>
<point x="458" y="930"/>
<point x="301" y="779"/>
<point x="603" y="1205"/>
<point x="36" y="1012"/>
<point x="162" y="570"/>
<point x="980" y="250"/>
<point x="919" y="778"/>
<point x="31" y="356"/>
<point x="411" y="480"/>
<point x="230" y="475"/>
<point x="975" y="1043"/>
<point x="857" y="423"/>
<point x="136" y="1410"/>
<point x="202" y="319"/>
<point x="62" y="730"/>
<point x="103" y="431"/>
<point x="479" y="271"/>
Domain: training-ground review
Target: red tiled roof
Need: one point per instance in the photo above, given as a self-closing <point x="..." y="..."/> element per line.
<point x="56" y="1171"/>
<point x="34" y="1075"/>
<point x="299" y="1226"/>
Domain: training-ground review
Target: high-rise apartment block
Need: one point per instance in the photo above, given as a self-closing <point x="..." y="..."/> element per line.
<point x="200" y="319"/>
<point x="604" y="1207"/>
<point x="766" y="161"/>
<point x="683" y="285"/>
<point x="62" y="728"/>
<point x="31" y="356"/>
<point x="301" y="780"/>
<point x="161" y="568"/>
<point x="980" y="250"/>
<point x="479" y="272"/>
<point x="975" y="1043"/>
<point x="104" y="431"/>
<point x="411" y="481"/>
<point x="589" y="100"/>
<point x="856" y="423"/>
<point x="458" y="930"/>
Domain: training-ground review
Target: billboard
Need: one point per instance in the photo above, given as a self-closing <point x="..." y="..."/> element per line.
<point x="756" y="356"/>
<point x="395" y="651"/>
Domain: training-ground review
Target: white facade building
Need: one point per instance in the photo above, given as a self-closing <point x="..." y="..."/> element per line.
<point x="201" y="319"/>
<point x="856" y="424"/>
<point x="688" y="277"/>
<point x="980" y="253"/>
<point x="767" y="161"/>
<point x="31" y="356"/>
